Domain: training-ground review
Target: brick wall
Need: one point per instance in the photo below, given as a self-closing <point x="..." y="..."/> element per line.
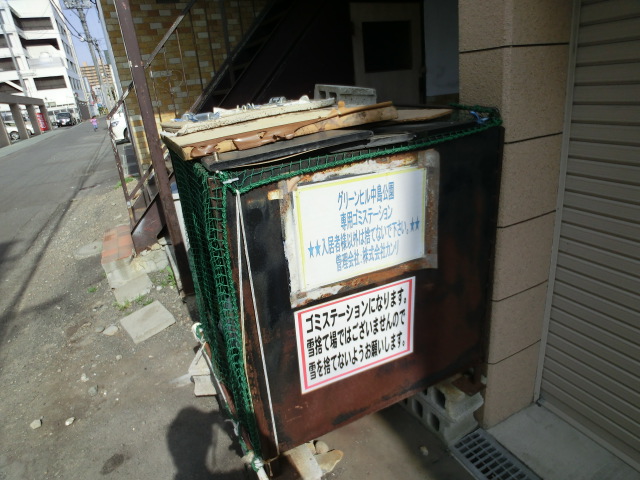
<point x="189" y="59"/>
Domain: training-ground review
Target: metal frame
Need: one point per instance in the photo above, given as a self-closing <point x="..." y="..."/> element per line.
<point x="158" y="167"/>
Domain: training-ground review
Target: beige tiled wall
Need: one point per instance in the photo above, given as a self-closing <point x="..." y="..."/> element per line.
<point x="189" y="59"/>
<point x="514" y="55"/>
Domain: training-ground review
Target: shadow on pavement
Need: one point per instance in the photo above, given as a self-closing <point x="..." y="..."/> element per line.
<point x="190" y="440"/>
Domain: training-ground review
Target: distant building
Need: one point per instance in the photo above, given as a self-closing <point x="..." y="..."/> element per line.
<point x="37" y="57"/>
<point x="89" y="71"/>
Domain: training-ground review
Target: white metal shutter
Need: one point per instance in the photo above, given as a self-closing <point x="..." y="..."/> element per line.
<point x="591" y="373"/>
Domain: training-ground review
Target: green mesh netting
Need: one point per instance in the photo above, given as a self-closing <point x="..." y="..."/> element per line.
<point x="203" y="196"/>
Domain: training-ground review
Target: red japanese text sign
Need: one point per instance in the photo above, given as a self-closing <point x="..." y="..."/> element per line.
<point x="351" y="334"/>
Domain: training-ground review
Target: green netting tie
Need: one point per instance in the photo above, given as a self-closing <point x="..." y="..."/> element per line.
<point x="254" y="461"/>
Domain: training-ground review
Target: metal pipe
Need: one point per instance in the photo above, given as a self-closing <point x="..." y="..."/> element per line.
<point x="123" y="10"/>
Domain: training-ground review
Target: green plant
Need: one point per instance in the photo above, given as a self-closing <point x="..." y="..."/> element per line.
<point x="167" y="279"/>
<point x="126" y="179"/>
<point x="143" y="300"/>
<point x="122" y="306"/>
<point x="92" y="289"/>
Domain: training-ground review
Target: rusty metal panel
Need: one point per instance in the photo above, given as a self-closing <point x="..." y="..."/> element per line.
<point x="451" y="294"/>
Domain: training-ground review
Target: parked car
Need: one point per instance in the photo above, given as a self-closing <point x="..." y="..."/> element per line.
<point x="119" y="128"/>
<point x="12" y="130"/>
<point x="65" y="119"/>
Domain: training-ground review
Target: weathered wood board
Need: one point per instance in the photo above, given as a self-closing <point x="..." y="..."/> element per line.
<point x="262" y="131"/>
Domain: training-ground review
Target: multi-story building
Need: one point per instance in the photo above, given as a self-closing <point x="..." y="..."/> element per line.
<point x="37" y="57"/>
<point x="89" y="71"/>
<point x="91" y="74"/>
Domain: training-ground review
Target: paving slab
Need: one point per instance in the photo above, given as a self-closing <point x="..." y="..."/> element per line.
<point x="147" y="321"/>
<point x="203" y="386"/>
<point x="133" y="288"/>
<point x="557" y="451"/>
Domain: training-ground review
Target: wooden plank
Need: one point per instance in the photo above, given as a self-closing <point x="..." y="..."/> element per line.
<point x="268" y="130"/>
<point x="421" y="115"/>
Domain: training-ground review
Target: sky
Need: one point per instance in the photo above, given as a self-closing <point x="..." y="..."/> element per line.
<point x="95" y="29"/>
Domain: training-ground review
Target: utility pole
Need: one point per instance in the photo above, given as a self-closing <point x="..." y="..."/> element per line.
<point x="79" y="6"/>
<point x="106" y="71"/>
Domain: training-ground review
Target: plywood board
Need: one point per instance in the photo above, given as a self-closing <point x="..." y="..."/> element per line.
<point x="260" y="132"/>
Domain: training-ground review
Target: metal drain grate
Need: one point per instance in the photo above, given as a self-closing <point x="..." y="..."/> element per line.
<point x="486" y="459"/>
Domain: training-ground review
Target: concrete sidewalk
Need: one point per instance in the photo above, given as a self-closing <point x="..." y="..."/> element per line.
<point x="557" y="451"/>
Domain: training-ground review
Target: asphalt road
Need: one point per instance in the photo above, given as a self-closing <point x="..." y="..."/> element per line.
<point x="39" y="179"/>
<point x="106" y="406"/>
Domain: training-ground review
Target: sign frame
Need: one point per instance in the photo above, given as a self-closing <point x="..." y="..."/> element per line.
<point x="300" y="293"/>
<point x="400" y="315"/>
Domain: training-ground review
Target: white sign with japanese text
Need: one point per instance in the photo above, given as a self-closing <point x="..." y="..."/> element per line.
<point x="359" y="224"/>
<point x="351" y="334"/>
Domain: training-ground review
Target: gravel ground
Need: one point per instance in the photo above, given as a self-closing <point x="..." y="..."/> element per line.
<point x="106" y="405"/>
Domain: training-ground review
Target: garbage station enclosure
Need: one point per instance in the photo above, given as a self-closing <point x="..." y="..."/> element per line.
<point x="334" y="283"/>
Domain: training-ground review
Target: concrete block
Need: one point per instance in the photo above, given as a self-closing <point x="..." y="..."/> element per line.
<point x="482" y="78"/>
<point x="440" y="424"/>
<point x="529" y="184"/>
<point x="497" y="23"/>
<point x="531" y="23"/>
<point x="118" y="272"/>
<point x="150" y="261"/>
<point x="516" y="323"/>
<point x="482" y="24"/>
<point x="303" y="461"/>
<point x="528" y="84"/>
<point x="510" y="385"/>
<point x="452" y="402"/>
<point x="535" y="92"/>
<point x="348" y="94"/>
<point x="203" y="386"/>
<point x="147" y="322"/>
<point x="132" y="289"/>
<point x="523" y="255"/>
<point x="445" y="410"/>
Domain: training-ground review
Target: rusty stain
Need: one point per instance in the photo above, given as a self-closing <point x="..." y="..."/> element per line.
<point x="450" y="301"/>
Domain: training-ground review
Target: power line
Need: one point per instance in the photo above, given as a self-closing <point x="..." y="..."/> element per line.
<point x="79" y="6"/>
<point x="66" y="21"/>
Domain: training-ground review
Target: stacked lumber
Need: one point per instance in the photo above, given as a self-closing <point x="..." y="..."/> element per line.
<point x="195" y="143"/>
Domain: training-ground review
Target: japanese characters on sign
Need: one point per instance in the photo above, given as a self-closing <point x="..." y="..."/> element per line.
<point x="360" y="224"/>
<point x="343" y="337"/>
